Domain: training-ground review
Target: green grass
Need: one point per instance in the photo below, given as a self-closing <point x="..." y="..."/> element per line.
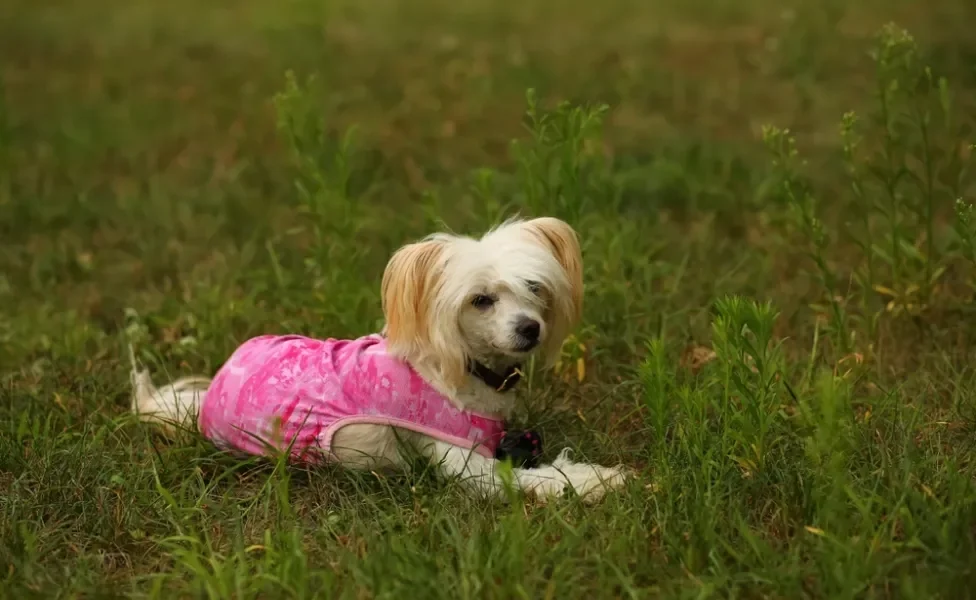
<point x="770" y="186"/>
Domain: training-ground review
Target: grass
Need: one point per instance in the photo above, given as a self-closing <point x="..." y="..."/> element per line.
<point x="774" y="202"/>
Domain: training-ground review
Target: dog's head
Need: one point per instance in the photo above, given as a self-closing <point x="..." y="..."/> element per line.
<point x="450" y="299"/>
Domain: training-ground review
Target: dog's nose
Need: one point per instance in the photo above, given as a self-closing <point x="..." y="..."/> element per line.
<point x="528" y="328"/>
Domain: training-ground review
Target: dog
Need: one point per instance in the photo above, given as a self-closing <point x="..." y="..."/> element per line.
<point x="461" y="317"/>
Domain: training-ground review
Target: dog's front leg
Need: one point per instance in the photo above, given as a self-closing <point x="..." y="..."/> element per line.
<point x="480" y="474"/>
<point x="474" y="471"/>
<point x="590" y="482"/>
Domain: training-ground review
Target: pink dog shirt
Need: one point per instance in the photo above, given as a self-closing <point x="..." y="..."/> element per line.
<point x="298" y="391"/>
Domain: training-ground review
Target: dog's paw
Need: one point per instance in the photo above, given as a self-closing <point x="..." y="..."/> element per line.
<point x="589" y="482"/>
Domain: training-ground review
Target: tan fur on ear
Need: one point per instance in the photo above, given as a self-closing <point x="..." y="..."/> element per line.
<point x="409" y="283"/>
<point x="410" y="289"/>
<point x="561" y="240"/>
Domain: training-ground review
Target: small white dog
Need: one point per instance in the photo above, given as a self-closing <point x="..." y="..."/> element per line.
<point x="461" y="316"/>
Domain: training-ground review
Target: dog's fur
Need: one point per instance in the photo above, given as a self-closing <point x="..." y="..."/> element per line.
<point x="448" y="300"/>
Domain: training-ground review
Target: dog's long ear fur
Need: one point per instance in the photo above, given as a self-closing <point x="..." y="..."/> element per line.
<point x="567" y="305"/>
<point x="416" y="328"/>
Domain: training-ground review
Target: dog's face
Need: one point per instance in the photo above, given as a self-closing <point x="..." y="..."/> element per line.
<point x="518" y="289"/>
<point x="503" y="316"/>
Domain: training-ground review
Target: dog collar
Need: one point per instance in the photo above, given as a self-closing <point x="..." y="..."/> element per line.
<point x="501" y="382"/>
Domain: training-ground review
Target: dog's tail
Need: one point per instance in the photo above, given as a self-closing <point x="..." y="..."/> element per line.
<point x="175" y="405"/>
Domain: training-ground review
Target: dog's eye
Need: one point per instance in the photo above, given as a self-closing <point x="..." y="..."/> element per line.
<point x="534" y="286"/>
<point x="482" y="301"/>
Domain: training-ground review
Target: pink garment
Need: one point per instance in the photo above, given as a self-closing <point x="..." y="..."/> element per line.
<point x="281" y="390"/>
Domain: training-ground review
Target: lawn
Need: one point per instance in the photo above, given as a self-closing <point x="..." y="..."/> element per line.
<point x="780" y="265"/>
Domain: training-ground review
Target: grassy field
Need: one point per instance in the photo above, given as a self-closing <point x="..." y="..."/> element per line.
<point x="778" y="331"/>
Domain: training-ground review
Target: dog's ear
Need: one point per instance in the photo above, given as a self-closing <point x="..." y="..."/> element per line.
<point x="561" y="241"/>
<point x="410" y="284"/>
<point x="417" y="328"/>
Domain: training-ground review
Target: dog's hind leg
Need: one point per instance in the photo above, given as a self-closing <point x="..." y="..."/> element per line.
<point x="174" y="406"/>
